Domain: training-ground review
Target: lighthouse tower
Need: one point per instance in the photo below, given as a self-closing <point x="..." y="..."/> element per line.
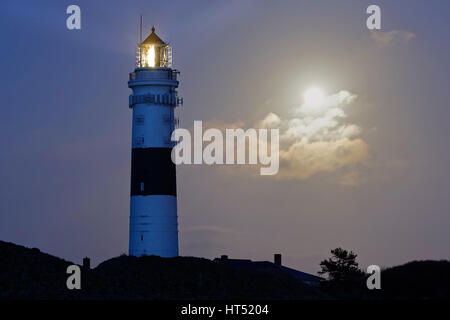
<point x="153" y="203"/>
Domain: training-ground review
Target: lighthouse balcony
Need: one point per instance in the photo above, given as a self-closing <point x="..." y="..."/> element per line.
<point x="154" y="74"/>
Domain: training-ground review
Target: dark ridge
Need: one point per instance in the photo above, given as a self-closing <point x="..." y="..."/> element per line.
<point x="30" y="274"/>
<point x="427" y="279"/>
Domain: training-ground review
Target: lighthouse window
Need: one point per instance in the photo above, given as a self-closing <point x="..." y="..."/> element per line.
<point x="139" y="141"/>
<point x="140" y="119"/>
<point x="142" y="186"/>
<point x="142" y="237"/>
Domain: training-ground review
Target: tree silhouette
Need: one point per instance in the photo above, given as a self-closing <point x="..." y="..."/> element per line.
<point x="341" y="268"/>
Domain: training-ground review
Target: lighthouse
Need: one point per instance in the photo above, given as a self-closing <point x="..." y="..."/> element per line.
<point x="153" y="192"/>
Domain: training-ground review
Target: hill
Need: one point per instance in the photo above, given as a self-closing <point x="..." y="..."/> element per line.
<point x="426" y="279"/>
<point x="30" y="274"/>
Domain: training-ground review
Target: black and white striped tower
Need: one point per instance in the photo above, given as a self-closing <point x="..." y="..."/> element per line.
<point x="153" y="203"/>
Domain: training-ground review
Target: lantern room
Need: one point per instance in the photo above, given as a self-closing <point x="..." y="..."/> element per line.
<point x="154" y="53"/>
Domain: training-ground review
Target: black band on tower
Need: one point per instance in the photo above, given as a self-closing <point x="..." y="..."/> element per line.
<point x="152" y="172"/>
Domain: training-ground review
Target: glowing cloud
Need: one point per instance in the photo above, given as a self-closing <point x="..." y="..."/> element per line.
<point x="386" y="38"/>
<point x="316" y="138"/>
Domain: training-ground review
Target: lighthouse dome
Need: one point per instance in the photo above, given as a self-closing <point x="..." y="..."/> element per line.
<point x="153" y="39"/>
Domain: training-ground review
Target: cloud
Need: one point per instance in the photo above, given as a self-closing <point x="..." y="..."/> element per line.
<point x="304" y="159"/>
<point x="271" y="121"/>
<point x="314" y="138"/>
<point x="386" y="38"/>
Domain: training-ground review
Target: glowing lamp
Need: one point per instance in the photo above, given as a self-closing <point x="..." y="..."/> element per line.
<point x="154" y="53"/>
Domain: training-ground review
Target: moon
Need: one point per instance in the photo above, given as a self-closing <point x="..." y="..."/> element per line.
<point x="314" y="96"/>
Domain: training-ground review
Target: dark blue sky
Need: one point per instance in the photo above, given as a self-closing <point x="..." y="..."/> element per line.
<point x="65" y="126"/>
